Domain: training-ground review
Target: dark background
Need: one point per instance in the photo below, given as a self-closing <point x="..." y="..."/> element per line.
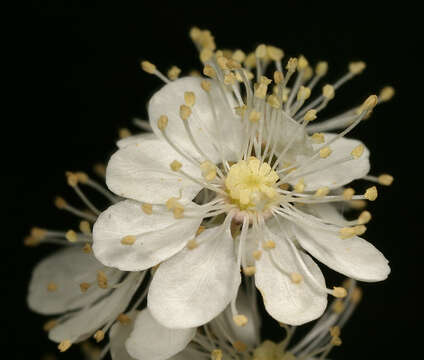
<point x="78" y="81"/>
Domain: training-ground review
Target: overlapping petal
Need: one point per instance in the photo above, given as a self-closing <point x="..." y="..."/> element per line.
<point x="158" y="236"/>
<point x="195" y="285"/>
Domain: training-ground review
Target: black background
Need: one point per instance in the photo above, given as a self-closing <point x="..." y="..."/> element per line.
<point x="78" y="81"/>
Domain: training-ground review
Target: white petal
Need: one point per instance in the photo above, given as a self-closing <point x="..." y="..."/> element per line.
<point x="66" y="269"/>
<point x="134" y="139"/>
<point x="354" y="257"/>
<point x="152" y="341"/>
<point x="285" y="301"/>
<point x="340" y="174"/>
<point x="157" y="236"/>
<point x="188" y="354"/>
<point x="84" y="323"/>
<point x="141" y="171"/>
<point x="168" y="100"/>
<point x="118" y="335"/>
<point x="194" y="286"/>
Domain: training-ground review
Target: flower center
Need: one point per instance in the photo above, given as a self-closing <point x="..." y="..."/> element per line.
<point x="251" y="184"/>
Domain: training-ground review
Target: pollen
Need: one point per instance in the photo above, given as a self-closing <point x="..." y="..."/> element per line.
<point x="148" y="67"/>
<point x="325" y="152"/>
<point x="296" y="278"/>
<point x="240" y="320"/>
<point x="251" y="183"/>
<point x="185" y="112"/>
<point x="128" y="240"/>
<point x="328" y="92"/>
<point x="304" y="93"/>
<point x="339" y="292"/>
<point x="318" y="138"/>
<point x="123" y="319"/>
<point x="385" y="179"/>
<point x="206" y="85"/>
<point x="99" y="335"/>
<point x="357" y="67"/>
<point x="84" y="227"/>
<point x="71" y="236"/>
<point x="189" y="98"/>
<point x="321" y="68"/>
<point x="371" y="193"/>
<point x="274" y="53"/>
<point x="175" y="165"/>
<point x="310" y="115"/>
<point x="64" y="345"/>
<point x="386" y="93"/>
<point x="209" y="71"/>
<point x="278" y="77"/>
<point x="347" y="232"/>
<point x="358" y="151"/>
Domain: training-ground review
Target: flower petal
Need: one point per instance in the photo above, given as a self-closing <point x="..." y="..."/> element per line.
<point x="284" y="300"/>
<point x="141" y="171"/>
<point x="118" y="335"/>
<point x="134" y="139"/>
<point x="152" y="341"/>
<point x="194" y="286"/>
<point x="64" y="270"/>
<point x="339" y="174"/>
<point x="206" y="129"/>
<point x="353" y="257"/>
<point x="158" y="236"/>
<point x="82" y="324"/>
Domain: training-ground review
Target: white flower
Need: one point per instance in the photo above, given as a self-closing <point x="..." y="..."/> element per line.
<point x="232" y="179"/>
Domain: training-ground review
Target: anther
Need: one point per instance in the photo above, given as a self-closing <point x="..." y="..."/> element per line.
<point x="189" y="98"/>
<point x="348" y="193"/>
<point x="71" y="179"/>
<point x="216" y="354"/>
<point x="249" y="270"/>
<point x="273" y="101"/>
<point x="303" y="93"/>
<point x="174" y="72"/>
<point x="300" y="186"/>
<point x="128" y="240"/>
<point x="325" y="152"/>
<point x="335" y="331"/>
<point x="64" y="345"/>
<point x="51" y="286"/>
<point x="257" y="254"/>
<point x="38" y="233"/>
<point x="206" y="85"/>
<point x="49" y="325"/>
<point x="260" y="51"/>
<point x="123" y="319"/>
<point x="240" y="346"/>
<point x="84" y="227"/>
<point x="260" y="91"/>
<point x="192" y="244"/>
<point x="339" y="292"/>
<point x="175" y="165"/>
<point x="84" y="286"/>
<point x="239" y="56"/>
<point x="147" y="208"/>
<point x="87" y="249"/>
<point x="254" y="116"/>
<point x="185" y="112"/>
<point x="302" y="63"/>
<point x="71" y="236"/>
<point x="310" y="115"/>
<point x="205" y="55"/>
<point x="386" y="93"/>
<point x="208" y="170"/>
<point x="162" y="122"/>
<point x="321" y="68"/>
<point x="99" y="335"/>
<point x="357" y="67"/>
<point x="371" y="193"/>
<point x="291" y="65"/>
<point x="148" y="67"/>
<point x="230" y="79"/>
<point x="101" y="279"/>
<point x="385" y="179"/>
<point x="356" y="295"/>
<point x="358" y="151"/>
<point x="209" y="71"/>
<point x="347" y="232"/>
<point x="318" y="138"/>
<point x="278" y="77"/>
<point x="296" y="278"/>
<point x="240" y="320"/>
<point x="268" y="245"/>
<point x="328" y="91"/>
<point x="338" y="306"/>
<point x="274" y="53"/>
<point x="124" y="133"/>
<point x="322" y="191"/>
<point x="99" y="169"/>
<point x="370" y="103"/>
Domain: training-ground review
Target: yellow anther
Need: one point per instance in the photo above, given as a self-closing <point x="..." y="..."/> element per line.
<point x="254" y="116"/>
<point x="178" y="212"/>
<point x="296" y="278"/>
<point x="238" y="56"/>
<point x="300" y="186"/>
<point x="310" y="115"/>
<point x="208" y="170"/>
<point x="250" y="61"/>
<point x="358" y="151"/>
<point x="335" y="331"/>
<point x="84" y="227"/>
<point x="99" y="169"/>
<point x="87" y="249"/>
<point x="371" y="193"/>
<point x="321" y="68"/>
<point x="348" y="193"/>
<point x="200" y="230"/>
<point x="302" y="63"/>
<point x="194" y="73"/>
<point x="209" y="71"/>
<point x="273" y="101"/>
<point x="206" y="85"/>
<point x="195" y="33"/>
<point x="174" y="72"/>
<point x="64" y="345"/>
<point x="123" y="319"/>
<point x="99" y="335"/>
<point x="230" y="79"/>
<point x="338" y="306"/>
<point x="358" y="204"/>
<point x="278" y="77"/>
<point x="385" y="179"/>
<point x="291" y="65"/>
<point x="31" y="241"/>
<point x="307" y="73"/>
<point x="322" y="191"/>
<point x="101" y="279"/>
<point x="325" y="152"/>
<point x="369" y="103"/>
<point x="38" y="233"/>
<point x="148" y="67"/>
<point x="335" y="341"/>
<point x="347" y="232"/>
<point x="175" y="165"/>
<point x="205" y="55"/>
<point x="49" y="325"/>
<point x="51" y="286"/>
<point x="233" y="64"/>
<point x="84" y="286"/>
<point x="189" y="98"/>
<point x="249" y="270"/>
<point x="356" y="295"/>
<point x="260" y="91"/>
<point x="71" y="236"/>
<point x="360" y="230"/>
<point x="240" y="320"/>
<point x="274" y="53"/>
<point x="192" y="244"/>
<point x="216" y="354"/>
<point x="71" y="178"/>
<point x="240" y="110"/>
<point x="222" y="62"/>
<point x="364" y="217"/>
<point x="185" y="112"/>
<point x="163" y="122"/>
<point x="124" y="133"/>
<point x="147" y="208"/>
<point x="260" y="51"/>
<point x="357" y="67"/>
<point x="82" y="177"/>
<point x="303" y="93"/>
<point x="257" y="254"/>
<point x="240" y="346"/>
<point x="328" y="91"/>
<point x="339" y="292"/>
<point x="264" y="80"/>
<point x="268" y="245"/>
<point x="318" y="138"/>
<point x="386" y="93"/>
<point x="128" y="240"/>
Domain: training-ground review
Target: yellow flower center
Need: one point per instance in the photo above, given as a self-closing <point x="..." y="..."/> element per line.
<point x="251" y="184"/>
